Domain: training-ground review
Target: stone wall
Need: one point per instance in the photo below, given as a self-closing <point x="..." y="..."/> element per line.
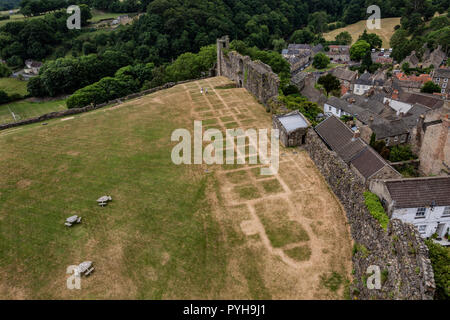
<point x="255" y="76"/>
<point x="400" y="252"/>
<point x="432" y="141"/>
<point x="72" y="111"/>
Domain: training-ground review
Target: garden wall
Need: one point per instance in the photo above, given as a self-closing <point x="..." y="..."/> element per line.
<point x="400" y="252"/>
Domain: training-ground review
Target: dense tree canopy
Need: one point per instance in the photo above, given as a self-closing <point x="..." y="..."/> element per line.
<point x="359" y="50"/>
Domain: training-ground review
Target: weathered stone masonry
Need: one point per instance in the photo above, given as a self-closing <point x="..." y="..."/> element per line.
<point x="399" y="252"/>
<point x="255" y="76"/>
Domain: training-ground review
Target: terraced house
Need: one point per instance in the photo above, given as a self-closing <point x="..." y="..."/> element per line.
<point x="423" y="202"/>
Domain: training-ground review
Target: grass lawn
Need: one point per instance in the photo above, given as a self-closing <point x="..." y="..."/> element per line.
<point x="356" y="29"/>
<point x="171" y="231"/>
<point x="25" y="109"/>
<point x="13" y="85"/>
<point x="17" y="17"/>
<point x="98" y="15"/>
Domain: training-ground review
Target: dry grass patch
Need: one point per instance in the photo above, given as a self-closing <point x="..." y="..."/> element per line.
<point x="301" y="253"/>
<point x="271" y="186"/>
<point x="236" y="177"/>
<point x="247" y="192"/>
<point x="279" y="228"/>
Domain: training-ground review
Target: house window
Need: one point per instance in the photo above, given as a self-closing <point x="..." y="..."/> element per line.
<point x="395" y="139"/>
<point x="438" y="79"/>
<point x="446" y="212"/>
<point x="422" y="228"/>
<point x="420" y="213"/>
<point x="444" y="85"/>
<point x="443" y="91"/>
<point x="446" y="80"/>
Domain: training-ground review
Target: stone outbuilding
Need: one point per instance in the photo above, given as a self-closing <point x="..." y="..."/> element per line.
<point x="293" y="127"/>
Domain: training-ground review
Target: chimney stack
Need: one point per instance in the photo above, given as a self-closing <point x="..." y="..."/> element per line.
<point x="355" y="135"/>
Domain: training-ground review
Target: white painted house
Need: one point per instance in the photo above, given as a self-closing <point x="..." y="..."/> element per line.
<point x="423" y="202"/>
<point x="363" y="84"/>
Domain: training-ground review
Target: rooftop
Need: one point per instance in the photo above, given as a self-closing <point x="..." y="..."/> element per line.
<point x="293" y="121"/>
<point x="355" y="151"/>
<point x="442" y="73"/>
<point x="420" y="192"/>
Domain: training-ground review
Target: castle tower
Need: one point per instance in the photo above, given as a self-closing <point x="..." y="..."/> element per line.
<point x="222" y="43"/>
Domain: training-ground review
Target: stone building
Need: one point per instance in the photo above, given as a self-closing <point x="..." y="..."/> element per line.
<point x="359" y="156"/>
<point x="441" y="77"/>
<point x="346" y="77"/>
<point x="293" y="127"/>
<point x="255" y="76"/>
<point x="339" y="53"/>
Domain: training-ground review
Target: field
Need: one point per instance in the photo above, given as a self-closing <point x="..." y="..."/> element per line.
<point x="13" y="85"/>
<point x="17" y="17"/>
<point x="25" y="109"/>
<point x="171" y="231"/>
<point x="356" y="29"/>
<point x="98" y="15"/>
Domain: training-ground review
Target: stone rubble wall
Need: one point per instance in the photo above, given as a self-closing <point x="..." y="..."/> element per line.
<point x="64" y="113"/>
<point x="255" y="76"/>
<point x="400" y="252"/>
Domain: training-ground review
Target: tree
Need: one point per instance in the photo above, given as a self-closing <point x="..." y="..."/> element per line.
<point x="372" y="39"/>
<point x="4" y="98"/>
<point x="344" y="38"/>
<point x="318" y="22"/>
<point x="321" y="61"/>
<point x="302" y="36"/>
<point x="329" y="82"/>
<point x="278" y="44"/>
<point x="4" y="70"/>
<point x="430" y="87"/>
<point x="440" y="260"/>
<point x="401" y="153"/>
<point x="359" y="50"/>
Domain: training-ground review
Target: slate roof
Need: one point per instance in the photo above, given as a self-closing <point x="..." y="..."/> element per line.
<point x="373" y="105"/>
<point x="299" y="46"/>
<point x="420" y="192"/>
<point x="364" y="79"/>
<point x="385" y="129"/>
<point x="429" y="101"/>
<point x="317" y="49"/>
<point x="441" y="73"/>
<point x="355" y="151"/>
<point x="344" y="74"/>
<point x="339" y="138"/>
<point x="293" y="121"/>
<point x="368" y="162"/>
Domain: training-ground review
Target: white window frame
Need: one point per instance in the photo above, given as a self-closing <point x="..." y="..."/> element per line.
<point x="444" y="85"/>
<point x="443" y="91"/>
<point x="420" y="213"/>
<point x="446" y="212"/>
<point x="422" y="228"/>
<point x="446" y="80"/>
